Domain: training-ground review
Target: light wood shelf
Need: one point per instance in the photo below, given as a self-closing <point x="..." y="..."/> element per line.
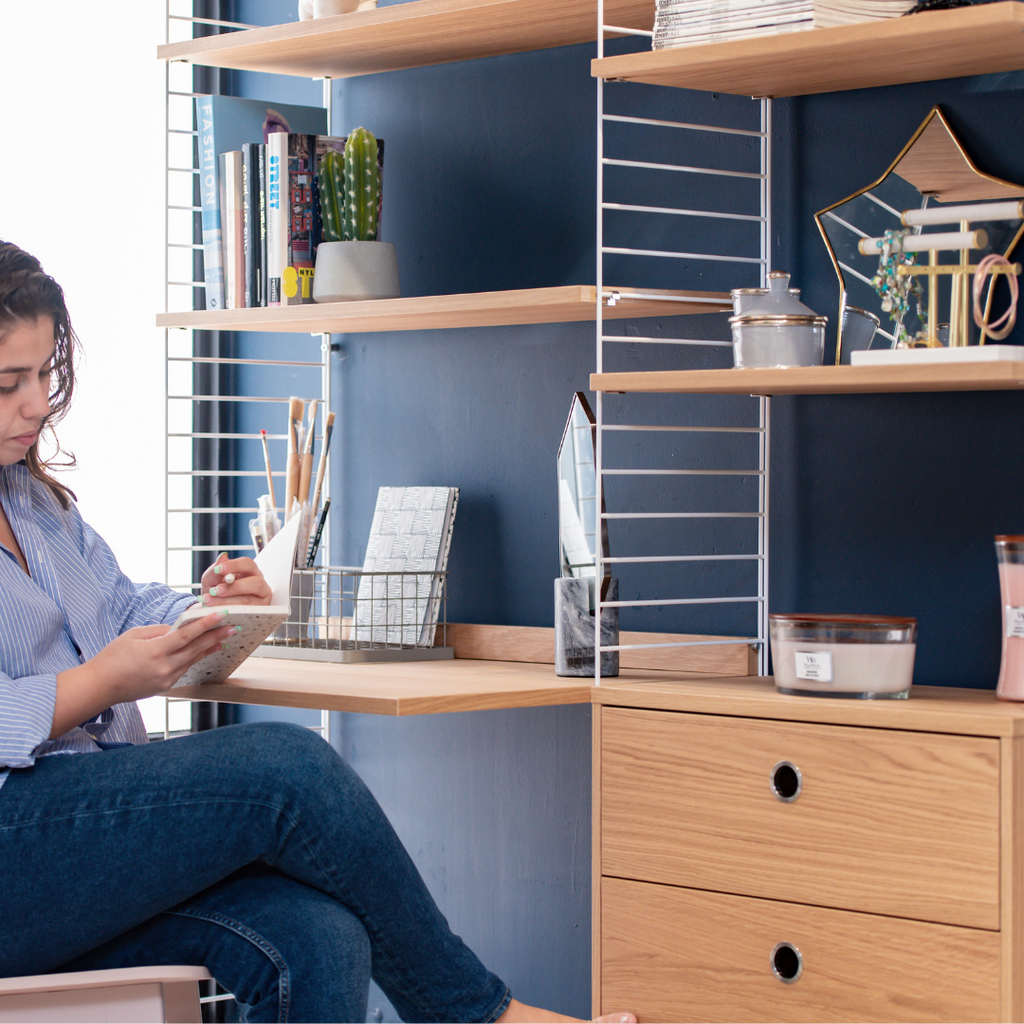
<point x="819" y="380"/>
<point x="463" y="684"/>
<point x="943" y="709"/>
<point x="563" y="304"/>
<point x="408" y="35"/>
<point x="921" y="47"/>
<point x="494" y="667"/>
<point x="408" y="688"/>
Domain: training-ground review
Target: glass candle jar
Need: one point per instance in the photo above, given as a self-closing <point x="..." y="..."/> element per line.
<point x="863" y="656"/>
<point x="1010" y="553"/>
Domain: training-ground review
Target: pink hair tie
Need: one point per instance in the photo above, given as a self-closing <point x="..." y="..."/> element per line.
<point x="996" y="330"/>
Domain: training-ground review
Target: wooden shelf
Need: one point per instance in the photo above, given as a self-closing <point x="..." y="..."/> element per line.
<point x="564" y="304"/>
<point x="946" y="709"/>
<point x="820" y="380"/>
<point x="408" y="688"/>
<point x="494" y="667"/>
<point x="437" y="687"/>
<point x="409" y="35"/>
<point x="921" y="47"/>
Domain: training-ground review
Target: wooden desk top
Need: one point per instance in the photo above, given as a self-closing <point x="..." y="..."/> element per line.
<point x="946" y="709"/>
<point x="407" y="688"/>
<point x="465" y="684"/>
<point x="494" y="667"/>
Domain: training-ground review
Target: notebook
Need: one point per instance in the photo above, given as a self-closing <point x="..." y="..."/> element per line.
<point x="411" y="534"/>
<point x="257" y="621"/>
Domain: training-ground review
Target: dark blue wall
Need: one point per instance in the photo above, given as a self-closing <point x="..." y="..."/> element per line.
<point x="890" y="503"/>
<point x="883" y="504"/>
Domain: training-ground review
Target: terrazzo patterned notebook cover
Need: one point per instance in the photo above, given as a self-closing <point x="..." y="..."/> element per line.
<point x="257" y="622"/>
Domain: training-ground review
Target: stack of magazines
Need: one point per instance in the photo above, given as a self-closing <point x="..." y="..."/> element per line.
<point x="687" y="22"/>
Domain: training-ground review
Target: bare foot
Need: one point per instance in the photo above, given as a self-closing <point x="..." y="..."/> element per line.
<point x="520" y="1013"/>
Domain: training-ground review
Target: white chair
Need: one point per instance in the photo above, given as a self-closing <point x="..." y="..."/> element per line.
<point x="133" y="995"/>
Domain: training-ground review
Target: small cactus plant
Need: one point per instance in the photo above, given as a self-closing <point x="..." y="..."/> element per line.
<point x="349" y="187"/>
<point x="331" y="187"/>
<point x="362" y="187"/>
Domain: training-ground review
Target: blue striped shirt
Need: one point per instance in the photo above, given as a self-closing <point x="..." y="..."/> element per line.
<point x="74" y="603"/>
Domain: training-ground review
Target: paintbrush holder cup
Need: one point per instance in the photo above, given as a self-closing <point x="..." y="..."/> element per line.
<point x="296" y="627"/>
<point x="1010" y="556"/>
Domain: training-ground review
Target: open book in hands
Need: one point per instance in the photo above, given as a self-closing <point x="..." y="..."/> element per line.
<point x="256" y="621"/>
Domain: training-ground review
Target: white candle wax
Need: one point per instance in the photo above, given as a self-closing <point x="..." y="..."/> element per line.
<point x="855" y="667"/>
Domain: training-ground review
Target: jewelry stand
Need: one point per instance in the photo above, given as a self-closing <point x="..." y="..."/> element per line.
<point x="895" y="268"/>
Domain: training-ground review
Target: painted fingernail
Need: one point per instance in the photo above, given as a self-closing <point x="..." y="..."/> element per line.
<point x="237" y="629"/>
<point x="230" y="578"/>
<point x="223" y="613"/>
<point x="204" y="599"/>
<point x="215" y="591"/>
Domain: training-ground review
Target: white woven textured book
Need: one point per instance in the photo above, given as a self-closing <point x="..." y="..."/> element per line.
<point x="399" y="594"/>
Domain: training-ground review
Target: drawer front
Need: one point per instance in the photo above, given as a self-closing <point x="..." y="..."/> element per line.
<point x="884" y="821"/>
<point x="670" y="954"/>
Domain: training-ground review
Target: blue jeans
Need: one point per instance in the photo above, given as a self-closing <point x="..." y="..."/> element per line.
<point x="253" y="850"/>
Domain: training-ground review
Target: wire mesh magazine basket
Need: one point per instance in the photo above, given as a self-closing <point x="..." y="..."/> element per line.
<point x="351" y="615"/>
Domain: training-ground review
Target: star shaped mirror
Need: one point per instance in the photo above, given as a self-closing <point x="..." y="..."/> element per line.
<point x="932" y="168"/>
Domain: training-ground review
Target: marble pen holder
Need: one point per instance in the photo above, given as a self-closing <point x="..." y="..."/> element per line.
<point x="574" y="628"/>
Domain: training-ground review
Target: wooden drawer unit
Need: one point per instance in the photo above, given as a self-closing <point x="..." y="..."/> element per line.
<point x="722" y="965"/>
<point x="908" y="821"/>
<point x="873" y="848"/>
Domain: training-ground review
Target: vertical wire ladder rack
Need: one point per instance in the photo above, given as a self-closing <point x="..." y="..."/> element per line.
<point x="184" y="403"/>
<point x="610" y="468"/>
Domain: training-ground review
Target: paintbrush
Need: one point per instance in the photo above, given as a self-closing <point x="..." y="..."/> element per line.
<point x="322" y="468"/>
<point x="306" y="468"/>
<point x="295" y="407"/>
<point x="270" y="475"/>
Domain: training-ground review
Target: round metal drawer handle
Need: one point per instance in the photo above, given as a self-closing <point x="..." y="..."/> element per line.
<point x="787" y="963"/>
<point x="786" y="781"/>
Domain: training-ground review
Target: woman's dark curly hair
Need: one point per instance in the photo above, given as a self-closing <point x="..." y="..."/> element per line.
<point x="26" y="293"/>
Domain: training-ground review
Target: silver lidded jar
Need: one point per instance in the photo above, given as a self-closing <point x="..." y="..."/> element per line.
<point x="744" y="298"/>
<point x="778" y="330"/>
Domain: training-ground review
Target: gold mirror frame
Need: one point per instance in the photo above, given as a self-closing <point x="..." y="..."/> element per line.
<point x="936" y="164"/>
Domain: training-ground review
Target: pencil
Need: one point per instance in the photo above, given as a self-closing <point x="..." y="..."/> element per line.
<point x="314" y="543"/>
<point x="270" y="475"/>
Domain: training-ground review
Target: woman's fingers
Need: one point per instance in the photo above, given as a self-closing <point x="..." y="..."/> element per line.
<point x="234" y="581"/>
<point x="189" y="642"/>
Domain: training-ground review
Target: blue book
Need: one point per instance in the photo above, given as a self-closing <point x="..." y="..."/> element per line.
<point x="225" y="123"/>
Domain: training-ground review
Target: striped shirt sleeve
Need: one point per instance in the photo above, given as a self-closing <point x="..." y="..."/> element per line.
<point x="74" y="602"/>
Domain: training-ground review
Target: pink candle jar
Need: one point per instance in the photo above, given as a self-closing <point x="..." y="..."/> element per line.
<point x="1010" y="553"/>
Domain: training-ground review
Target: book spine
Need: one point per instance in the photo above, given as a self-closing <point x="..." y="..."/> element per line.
<point x="261" y="224"/>
<point x="227" y="259"/>
<point x="297" y="287"/>
<point x="213" y="266"/>
<point x="248" y="226"/>
<point x="231" y="211"/>
<point x="277" y="238"/>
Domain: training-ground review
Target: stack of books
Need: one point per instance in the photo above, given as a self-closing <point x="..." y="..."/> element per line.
<point x="688" y="22"/>
<point x="260" y="213"/>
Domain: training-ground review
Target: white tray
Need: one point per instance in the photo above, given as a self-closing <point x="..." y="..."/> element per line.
<point x="964" y="354"/>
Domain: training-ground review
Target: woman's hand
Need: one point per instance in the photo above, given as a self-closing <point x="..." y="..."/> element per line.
<point x="234" y="581"/>
<point x="141" y="662"/>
